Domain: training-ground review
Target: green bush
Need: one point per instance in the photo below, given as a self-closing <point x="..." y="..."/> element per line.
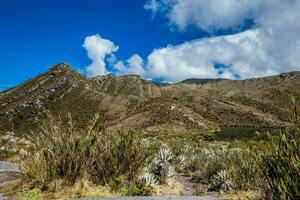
<point x="63" y="153"/>
<point x="242" y="167"/>
<point x="119" y="154"/>
<point x="34" y="194"/>
<point x="282" y="167"/>
<point x="140" y="188"/>
<point x="246" y="171"/>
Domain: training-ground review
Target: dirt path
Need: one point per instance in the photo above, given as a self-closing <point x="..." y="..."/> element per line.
<point x="8" y="172"/>
<point x="187" y="187"/>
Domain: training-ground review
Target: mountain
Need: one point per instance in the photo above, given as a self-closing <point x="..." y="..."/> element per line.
<point x="129" y="102"/>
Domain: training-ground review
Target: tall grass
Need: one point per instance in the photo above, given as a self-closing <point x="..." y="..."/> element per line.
<point x="282" y="167"/>
<point x="62" y="154"/>
<point x="222" y="168"/>
<point x="119" y="154"/>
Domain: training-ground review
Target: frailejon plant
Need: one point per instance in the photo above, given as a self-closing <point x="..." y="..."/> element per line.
<point x="161" y="165"/>
<point x="148" y="178"/>
<point x="221" y="182"/>
<point x="282" y="167"/>
<point x="222" y="168"/>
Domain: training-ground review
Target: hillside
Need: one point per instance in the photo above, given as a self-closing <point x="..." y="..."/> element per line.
<point x="129" y="102"/>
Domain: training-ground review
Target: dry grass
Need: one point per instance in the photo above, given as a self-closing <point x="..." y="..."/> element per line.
<point x="243" y="195"/>
<point x="65" y="161"/>
<point x="171" y="187"/>
<point x="82" y="188"/>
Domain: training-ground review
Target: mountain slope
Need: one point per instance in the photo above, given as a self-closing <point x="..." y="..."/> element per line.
<point x="129" y="102"/>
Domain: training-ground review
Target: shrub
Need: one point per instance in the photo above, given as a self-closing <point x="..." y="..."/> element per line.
<point x="140" y="188"/>
<point x="62" y="152"/>
<point x="64" y="155"/>
<point x="205" y="163"/>
<point x="222" y="168"/>
<point x="34" y="194"/>
<point x="120" y="154"/>
<point x="282" y="167"/>
<point x="246" y="171"/>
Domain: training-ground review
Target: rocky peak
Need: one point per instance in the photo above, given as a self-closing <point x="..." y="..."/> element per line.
<point x="103" y="78"/>
<point x="38" y="92"/>
<point x="60" y="67"/>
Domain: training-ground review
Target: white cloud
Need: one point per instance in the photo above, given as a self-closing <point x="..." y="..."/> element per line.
<point x="134" y="65"/>
<point x="270" y="48"/>
<point x="98" y="49"/>
<point x="153" y="6"/>
<point x="208" y="15"/>
<point x="197" y="58"/>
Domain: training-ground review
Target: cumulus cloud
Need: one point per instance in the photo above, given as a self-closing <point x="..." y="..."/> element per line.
<point x="272" y="47"/>
<point x="98" y="49"/>
<point x="208" y="15"/>
<point x="199" y="58"/>
<point x="134" y="65"/>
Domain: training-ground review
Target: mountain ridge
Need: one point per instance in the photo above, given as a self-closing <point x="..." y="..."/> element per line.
<point x="130" y="102"/>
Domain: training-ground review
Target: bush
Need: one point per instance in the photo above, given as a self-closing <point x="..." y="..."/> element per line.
<point x="140" y="188"/>
<point x="282" y="167"/>
<point x="246" y="172"/>
<point x="63" y="153"/>
<point x="222" y="168"/>
<point x="34" y="194"/>
<point x="120" y="154"/>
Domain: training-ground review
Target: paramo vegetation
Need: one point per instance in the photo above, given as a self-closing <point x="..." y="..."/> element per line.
<point x="61" y="160"/>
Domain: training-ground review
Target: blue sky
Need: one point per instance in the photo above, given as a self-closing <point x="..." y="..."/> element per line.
<point x="167" y="40"/>
<point x="36" y="34"/>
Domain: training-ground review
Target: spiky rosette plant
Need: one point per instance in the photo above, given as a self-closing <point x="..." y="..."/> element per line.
<point x="162" y="167"/>
<point x="221" y="182"/>
<point x="148" y="178"/>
